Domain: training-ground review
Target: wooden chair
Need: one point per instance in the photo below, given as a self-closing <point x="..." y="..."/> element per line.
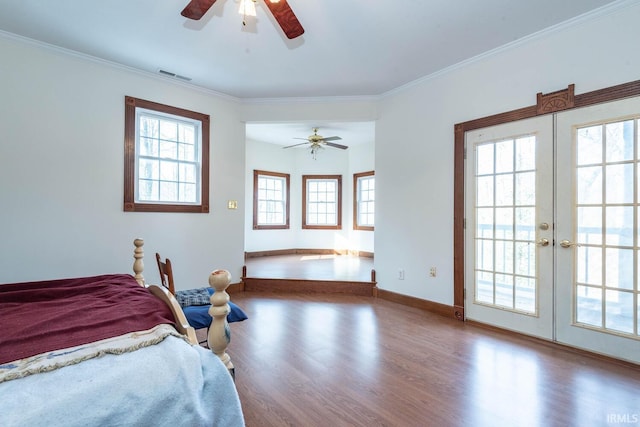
<point x="166" y="278"/>
<point x="166" y="274"/>
<point x="198" y="316"/>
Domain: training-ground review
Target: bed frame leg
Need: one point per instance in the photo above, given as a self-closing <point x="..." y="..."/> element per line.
<point x="219" y="333"/>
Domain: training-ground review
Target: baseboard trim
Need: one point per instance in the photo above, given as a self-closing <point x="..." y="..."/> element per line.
<point x="430" y="306"/>
<point x="235" y="288"/>
<point x="308" y="286"/>
<point x="368" y="289"/>
<point x="299" y="251"/>
<point x="371" y="290"/>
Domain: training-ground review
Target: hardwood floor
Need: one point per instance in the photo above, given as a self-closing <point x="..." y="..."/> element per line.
<point x="341" y="360"/>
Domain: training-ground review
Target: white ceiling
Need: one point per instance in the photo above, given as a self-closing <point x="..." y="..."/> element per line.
<point x="349" y="48"/>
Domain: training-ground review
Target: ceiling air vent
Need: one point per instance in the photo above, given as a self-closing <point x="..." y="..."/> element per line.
<point x="177" y="76"/>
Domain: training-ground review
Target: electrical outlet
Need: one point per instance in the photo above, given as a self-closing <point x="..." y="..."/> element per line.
<point x="432" y="272"/>
<point x="400" y="274"/>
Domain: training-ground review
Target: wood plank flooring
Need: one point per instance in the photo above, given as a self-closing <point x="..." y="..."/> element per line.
<point x="341" y="360"/>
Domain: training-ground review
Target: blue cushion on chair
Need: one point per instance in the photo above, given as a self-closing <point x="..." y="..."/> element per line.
<point x="198" y="315"/>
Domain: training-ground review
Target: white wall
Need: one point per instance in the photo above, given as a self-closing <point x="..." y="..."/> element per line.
<point x="361" y="159"/>
<point x="414" y="136"/>
<point x="272" y="158"/>
<point x="298" y="162"/>
<point x="61" y="173"/>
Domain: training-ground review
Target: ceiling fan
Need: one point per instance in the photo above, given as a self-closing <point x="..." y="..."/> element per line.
<point x="279" y="8"/>
<point x="318" y="142"/>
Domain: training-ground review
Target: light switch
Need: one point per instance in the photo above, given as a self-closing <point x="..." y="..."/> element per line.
<point x="232" y="204"/>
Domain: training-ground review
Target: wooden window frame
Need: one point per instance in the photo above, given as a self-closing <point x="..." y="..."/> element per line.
<point x="130" y="204"/>
<point x="338" y="225"/>
<point x="286" y="176"/>
<point x="356" y="200"/>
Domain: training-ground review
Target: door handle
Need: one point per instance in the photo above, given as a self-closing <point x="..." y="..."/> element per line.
<point x="543" y="242"/>
<point x="567" y="244"/>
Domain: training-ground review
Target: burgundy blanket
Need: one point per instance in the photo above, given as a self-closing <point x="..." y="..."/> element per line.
<point x="38" y="317"/>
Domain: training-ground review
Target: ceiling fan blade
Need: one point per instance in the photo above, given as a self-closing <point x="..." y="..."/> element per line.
<point x="197" y="8"/>
<point x="286" y="18"/>
<point x="295" y="145"/>
<point x="332" y="138"/>
<point x="340" y="146"/>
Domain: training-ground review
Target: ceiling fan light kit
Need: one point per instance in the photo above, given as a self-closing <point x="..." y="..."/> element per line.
<point x="317" y="142"/>
<point x="314" y="150"/>
<point x="280" y="10"/>
<point x="247" y="8"/>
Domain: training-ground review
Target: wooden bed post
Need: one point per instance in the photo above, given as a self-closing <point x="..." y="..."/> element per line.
<point x="138" y="264"/>
<point x="219" y="333"/>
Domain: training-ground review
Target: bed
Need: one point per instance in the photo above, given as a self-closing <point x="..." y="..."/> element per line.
<point x="110" y="350"/>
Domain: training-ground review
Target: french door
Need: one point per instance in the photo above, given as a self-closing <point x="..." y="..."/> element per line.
<point x="597" y="228"/>
<point x="509" y="217"/>
<point x="553" y="227"/>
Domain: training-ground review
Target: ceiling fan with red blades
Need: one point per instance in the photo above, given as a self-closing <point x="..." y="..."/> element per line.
<point x="279" y="8"/>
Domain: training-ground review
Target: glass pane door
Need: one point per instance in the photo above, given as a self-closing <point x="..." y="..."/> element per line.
<point x="509" y="233"/>
<point x="598" y="228"/>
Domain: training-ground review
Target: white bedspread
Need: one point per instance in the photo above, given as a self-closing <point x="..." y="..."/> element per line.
<point x="169" y="384"/>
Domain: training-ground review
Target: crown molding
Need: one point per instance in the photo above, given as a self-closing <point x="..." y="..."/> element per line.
<point x="112" y="64"/>
<point x="606" y="10"/>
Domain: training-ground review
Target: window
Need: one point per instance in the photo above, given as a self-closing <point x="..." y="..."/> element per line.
<point x="322" y="202"/>
<point x="166" y="164"/>
<point x="270" y="200"/>
<point x="364" y="197"/>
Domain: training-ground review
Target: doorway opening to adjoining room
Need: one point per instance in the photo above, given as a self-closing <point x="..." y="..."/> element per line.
<point x="321" y="243"/>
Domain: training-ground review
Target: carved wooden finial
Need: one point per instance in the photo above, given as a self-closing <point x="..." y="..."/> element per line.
<point x="219" y="334"/>
<point x="556" y="101"/>
<point x="138" y="264"/>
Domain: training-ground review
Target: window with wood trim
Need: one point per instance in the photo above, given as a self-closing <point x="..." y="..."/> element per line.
<point x="364" y="189"/>
<point x="166" y="163"/>
<point x="322" y="202"/>
<point x="270" y="200"/>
